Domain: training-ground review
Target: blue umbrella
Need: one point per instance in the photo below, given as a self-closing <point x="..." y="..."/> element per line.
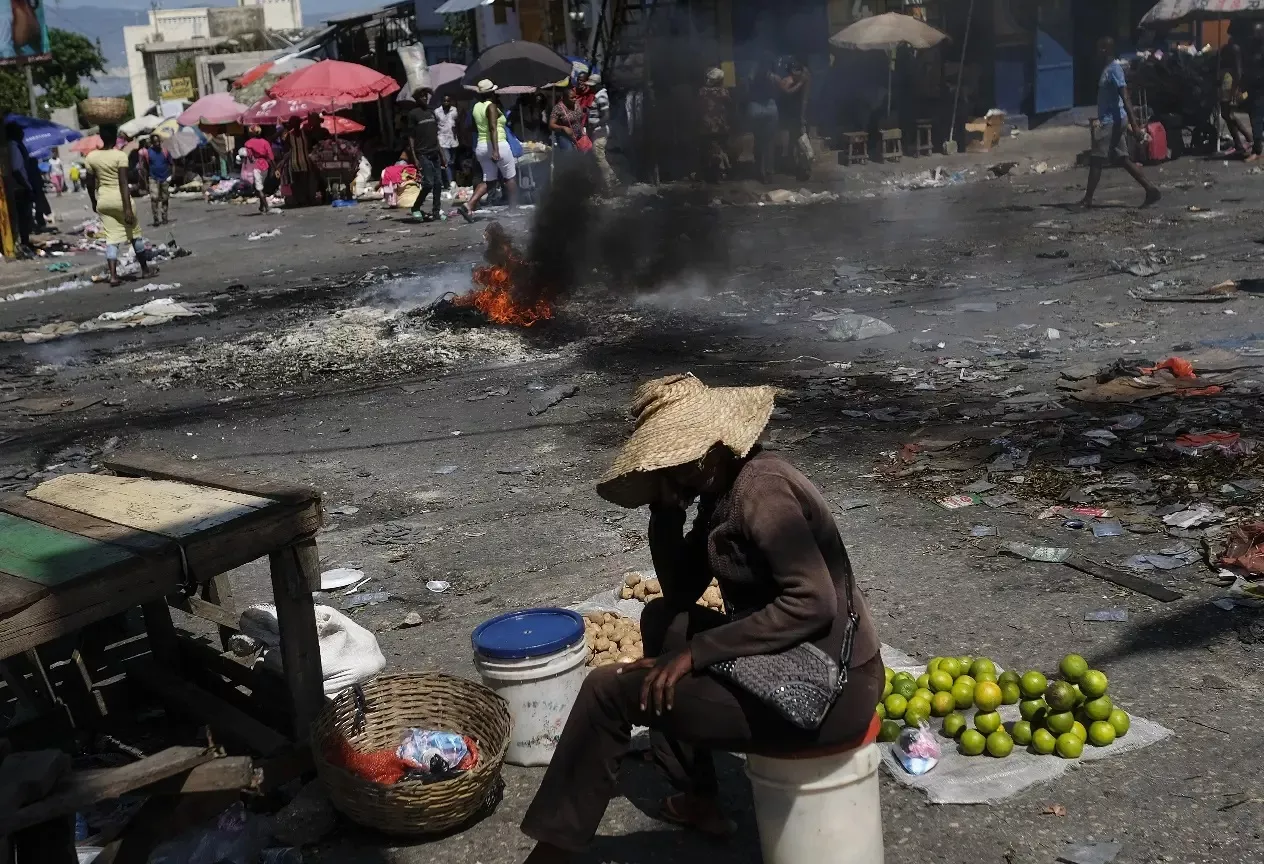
<point x="41" y="136"/>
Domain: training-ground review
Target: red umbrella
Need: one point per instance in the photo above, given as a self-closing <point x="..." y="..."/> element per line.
<point x="334" y="82"/>
<point x="336" y="125"/>
<point x="272" y="67"/>
<point x="269" y="112"/>
<point x="84" y="146"/>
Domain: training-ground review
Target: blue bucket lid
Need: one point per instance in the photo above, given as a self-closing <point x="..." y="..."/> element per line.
<point x="528" y="633"/>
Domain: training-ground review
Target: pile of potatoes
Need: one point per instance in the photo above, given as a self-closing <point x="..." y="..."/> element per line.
<point x="637" y="587"/>
<point x="612" y="638"/>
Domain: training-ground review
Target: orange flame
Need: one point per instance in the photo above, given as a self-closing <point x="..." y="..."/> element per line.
<point x="494" y="297"/>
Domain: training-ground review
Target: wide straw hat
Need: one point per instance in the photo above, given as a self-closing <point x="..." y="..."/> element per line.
<point x="679" y="419"/>
<point x="715" y="74"/>
<point x="485" y="86"/>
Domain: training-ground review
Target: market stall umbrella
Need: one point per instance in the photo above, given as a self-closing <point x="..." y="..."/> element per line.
<point x="139" y="125"/>
<point x="180" y="140"/>
<point x="1172" y="11"/>
<point x="84" y="146"/>
<point x="216" y="109"/>
<point x="334" y="82"/>
<point x="518" y="64"/>
<point x="283" y="66"/>
<point x="335" y="125"/>
<point x="887" y="32"/>
<point x="446" y="78"/>
<point x="41" y="136"/>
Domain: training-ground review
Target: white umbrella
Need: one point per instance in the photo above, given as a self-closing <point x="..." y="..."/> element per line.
<point x="140" y="125"/>
<point x="886" y="33"/>
<point x="1171" y="11"/>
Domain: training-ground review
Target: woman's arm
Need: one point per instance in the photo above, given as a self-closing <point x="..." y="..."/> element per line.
<point x="493" y="131"/>
<point x="557" y="126"/>
<point x="680" y="562"/>
<point x="806" y="602"/>
<point x="129" y="213"/>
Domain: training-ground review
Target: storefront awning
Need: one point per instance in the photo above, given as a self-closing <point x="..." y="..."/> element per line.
<point x="453" y="6"/>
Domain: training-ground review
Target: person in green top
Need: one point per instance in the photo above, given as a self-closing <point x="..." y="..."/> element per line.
<point x="492" y="149"/>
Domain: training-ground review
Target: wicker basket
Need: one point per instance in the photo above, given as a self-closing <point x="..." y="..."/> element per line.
<point x="102" y="109"/>
<point x="392" y="704"/>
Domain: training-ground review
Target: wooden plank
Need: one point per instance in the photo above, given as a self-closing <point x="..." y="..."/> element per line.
<point x="293" y="570"/>
<point x="161" y="468"/>
<point x="141" y="542"/>
<point x="226" y="722"/>
<point x="82" y="789"/>
<point x="212" y="612"/>
<point x="1125" y="580"/>
<point x="218" y="592"/>
<point x="225" y="774"/>
<point x="18" y="593"/>
<point x="158" y="506"/>
<point x="161" y="632"/>
<point x="111" y="591"/>
<point x="50" y="557"/>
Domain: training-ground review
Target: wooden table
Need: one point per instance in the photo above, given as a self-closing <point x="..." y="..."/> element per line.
<point x="84" y="547"/>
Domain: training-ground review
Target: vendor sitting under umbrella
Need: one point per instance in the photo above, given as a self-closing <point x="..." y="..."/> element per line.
<point x="766" y="534"/>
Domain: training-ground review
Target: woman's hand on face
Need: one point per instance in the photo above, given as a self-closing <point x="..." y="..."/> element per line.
<point x="658" y="691"/>
<point x="670" y="495"/>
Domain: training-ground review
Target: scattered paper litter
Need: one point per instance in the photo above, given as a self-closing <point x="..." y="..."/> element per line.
<point x="340" y="577"/>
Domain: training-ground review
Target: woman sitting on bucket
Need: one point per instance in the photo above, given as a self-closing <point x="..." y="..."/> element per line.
<point x="795" y="665"/>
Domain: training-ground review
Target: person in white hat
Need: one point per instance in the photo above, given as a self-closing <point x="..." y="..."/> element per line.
<point x="492" y="149"/>
<point x="710" y="681"/>
<point x="593" y="98"/>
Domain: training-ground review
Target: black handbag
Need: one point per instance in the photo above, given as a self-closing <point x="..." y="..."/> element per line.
<point x="800" y="683"/>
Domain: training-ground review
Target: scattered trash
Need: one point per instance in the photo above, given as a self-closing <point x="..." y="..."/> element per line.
<point x="1089" y="853"/>
<point x="983" y="531"/>
<point x="916" y="749"/>
<point x="1171" y="558"/>
<point x="438" y="586"/>
<point x="1194" y="517"/>
<point x="306" y="820"/>
<point x="59" y="267"/>
<point x="852" y="504"/>
<point x="372" y="598"/>
<point x="1053" y="333"/>
<point x="1226" y="443"/>
<point x="344" y="510"/>
<point x="1084" y="461"/>
<point x="236" y="835"/>
<point x="1107" y="529"/>
<point x="1147" y="265"/>
<point x="1245" y="548"/>
<point x="995" y="501"/>
<point x="341" y="577"/>
<point x="1107" y="615"/>
<point x="156" y="286"/>
<point x="551" y="397"/>
<point x="1044" y="554"/>
<point x="264" y="235"/>
<point x="853" y="327"/>
<point x="956" y="502"/>
<point x="446" y="469"/>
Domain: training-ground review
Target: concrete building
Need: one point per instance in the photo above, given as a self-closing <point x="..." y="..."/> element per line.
<point x="198" y="30"/>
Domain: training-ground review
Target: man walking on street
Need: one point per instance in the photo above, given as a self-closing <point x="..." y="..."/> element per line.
<point x="1115" y="117"/>
<point x="157" y="162"/>
<point x="599" y="130"/>
<point x="423" y="138"/>
<point x="1253" y="82"/>
<point x="445" y="116"/>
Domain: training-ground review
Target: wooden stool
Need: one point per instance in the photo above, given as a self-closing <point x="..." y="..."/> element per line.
<point x="892" y="145"/>
<point x="857" y="148"/>
<point x="925" y="139"/>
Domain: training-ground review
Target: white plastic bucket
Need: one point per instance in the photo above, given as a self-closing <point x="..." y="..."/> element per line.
<point x="540" y="692"/>
<point x="818" y="811"/>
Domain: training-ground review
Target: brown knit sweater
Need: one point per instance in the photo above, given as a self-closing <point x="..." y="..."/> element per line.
<point x="773" y="546"/>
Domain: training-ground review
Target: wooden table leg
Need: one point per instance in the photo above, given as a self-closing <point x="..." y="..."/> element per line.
<point x="220" y="592"/>
<point x="294" y="570"/>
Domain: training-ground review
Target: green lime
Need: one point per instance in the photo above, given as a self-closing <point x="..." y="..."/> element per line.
<point x="964" y="662"/>
<point x="886" y="690"/>
<point x="954" y="724"/>
<point x="942" y="704"/>
<point x="982" y="665"/>
<point x="1058" y="723"/>
<point x="888" y="672"/>
<point x="951" y="666"/>
<point x="1010" y="694"/>
<point x="1099" y="708"/>
<point x="987" y="722"/>
<point x="972" y="742"/>
<point x="1060" y="696"/>
<point x="963" y="694"/>
<point x="987" y="696"/>
<point x="1120" y="720"/>
<point x="923" y="680"/>
<point x="896" y="706"/>
<point x="1043" y="742"/>
<point x="1029" y="708"/>
<point x="1021" y="733"/>
<point x="1080" y="698"/>
<point x="984" y="676"/>
<point x="919" y="704"/>
<point x="1073" y="667"/>
<point x="999" y="744"/>
<point x="917" y="713"/>
<point x="1033" y="684"/>
<point x="1078" y="730"/>
<point x="969" y="679"/>
<point x="940" y="681"/>
<point x="933" y="666"/>
<point x="1070" y="746"/>
<point x="905" y="687"/>
<point x="1009" y="676"/>
<point x="881" y="711"/>
<point x="923" y="694"/>
<point x="1101" y="734"/>
<point x="890" y="731"/>
<point x="1094" y="684"/>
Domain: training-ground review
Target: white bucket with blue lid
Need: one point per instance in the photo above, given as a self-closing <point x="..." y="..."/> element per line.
<point x="534" y="659"/>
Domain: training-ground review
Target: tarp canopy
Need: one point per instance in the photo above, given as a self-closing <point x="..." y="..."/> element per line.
<point x="454" y="6"/>
<point x="41" y="136"/>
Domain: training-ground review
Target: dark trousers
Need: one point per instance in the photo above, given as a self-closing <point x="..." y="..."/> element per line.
<point x="23" y="204"/>
<point x="708" y="715"/>
<point x="431" y="184"/>
<point x="1255" y="107"/>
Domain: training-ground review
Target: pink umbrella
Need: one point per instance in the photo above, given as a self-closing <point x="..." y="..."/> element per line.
<point x="269" y="112"/>
<point x="215" y="109"/>
<point x="335" y="82"/>
<point x="84" y="146"/>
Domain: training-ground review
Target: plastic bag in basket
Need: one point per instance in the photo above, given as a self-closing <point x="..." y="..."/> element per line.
<point x="377" y="766"/>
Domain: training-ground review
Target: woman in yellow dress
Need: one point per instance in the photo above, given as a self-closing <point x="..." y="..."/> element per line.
<point x="107" y="183"/>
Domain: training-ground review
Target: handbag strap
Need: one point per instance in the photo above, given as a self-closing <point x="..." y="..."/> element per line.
<point x="853" y="623"/>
